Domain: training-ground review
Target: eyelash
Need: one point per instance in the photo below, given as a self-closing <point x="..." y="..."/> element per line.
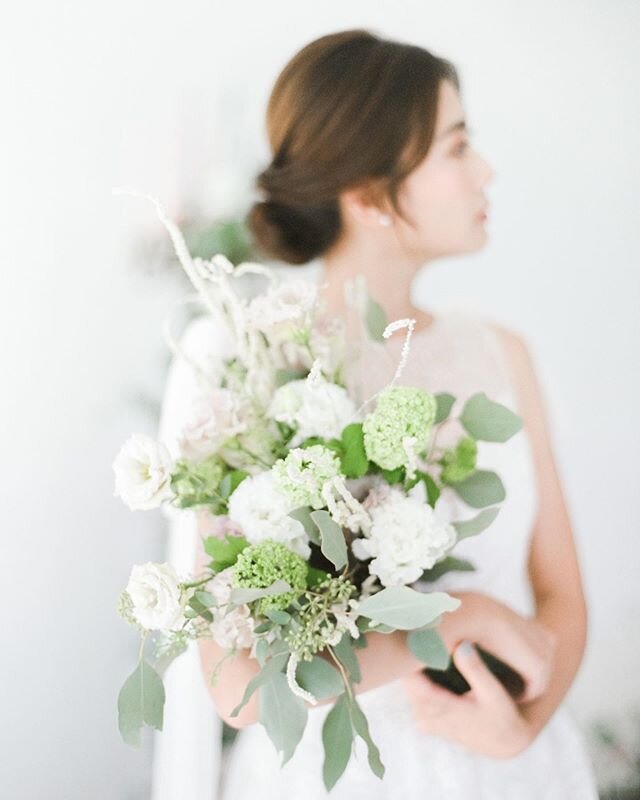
<point x="464" y="146"/>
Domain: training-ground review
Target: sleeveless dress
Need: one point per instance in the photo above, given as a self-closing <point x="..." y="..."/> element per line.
<point x="459" y="353"/>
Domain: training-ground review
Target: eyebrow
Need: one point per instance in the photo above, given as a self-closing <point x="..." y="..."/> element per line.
<point x="461" y="125"/>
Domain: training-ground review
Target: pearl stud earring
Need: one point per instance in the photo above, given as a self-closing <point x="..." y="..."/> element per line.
<point x="385" y="220"/>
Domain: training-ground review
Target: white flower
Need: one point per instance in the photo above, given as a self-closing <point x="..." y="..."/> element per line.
<point x="345" y="510"/>
<point x="230" y="629"/>
<point x="214" y="418"/>
<point x="406" y="535"/>
<point x="261" y="509"/>
<point x="284" y="308"/>
<point x="158" y="602"/>
<point x="313" y="407"/>
<point x="143" y="473"/>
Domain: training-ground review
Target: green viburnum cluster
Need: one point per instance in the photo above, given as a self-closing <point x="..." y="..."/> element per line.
<point x="316" y="624"/>
<point x="260" y="565"/>
<point x="400" y="411"/>
<point x="459" y="463"/>
<point x="303" y="473"/>
<point x="197" y="484"/>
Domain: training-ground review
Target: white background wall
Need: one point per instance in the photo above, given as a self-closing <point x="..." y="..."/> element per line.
<point x="101" y="94"/>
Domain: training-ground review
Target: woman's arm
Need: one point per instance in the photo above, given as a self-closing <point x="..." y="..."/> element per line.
<point x="553" y="561"/>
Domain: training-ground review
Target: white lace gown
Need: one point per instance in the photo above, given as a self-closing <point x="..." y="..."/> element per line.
<point x="459" y="353"/>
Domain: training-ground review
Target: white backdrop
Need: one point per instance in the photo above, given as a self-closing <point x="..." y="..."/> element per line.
<point x="169" y="97"/>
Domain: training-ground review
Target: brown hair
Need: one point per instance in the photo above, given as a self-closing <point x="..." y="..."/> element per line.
<point x="349" y="109"/>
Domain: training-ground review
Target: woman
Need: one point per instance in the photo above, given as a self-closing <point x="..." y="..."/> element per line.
<point x="373" y="173"/>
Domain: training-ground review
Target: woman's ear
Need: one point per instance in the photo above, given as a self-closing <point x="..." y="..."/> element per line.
<point x="365" y="206"/>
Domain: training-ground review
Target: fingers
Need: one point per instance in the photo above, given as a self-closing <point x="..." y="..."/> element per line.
<point x="482" y="682"/>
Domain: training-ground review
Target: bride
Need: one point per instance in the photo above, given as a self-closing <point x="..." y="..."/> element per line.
<point x="373" y="173"/>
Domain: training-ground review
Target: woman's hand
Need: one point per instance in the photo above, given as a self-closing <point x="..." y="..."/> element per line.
<point x="523" y="643"/>
<point x="485" y="720"/>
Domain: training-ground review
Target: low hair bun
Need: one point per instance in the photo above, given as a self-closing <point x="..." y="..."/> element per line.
<point x="293" y="234"/>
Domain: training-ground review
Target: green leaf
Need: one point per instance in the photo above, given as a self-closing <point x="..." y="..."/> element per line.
<point x="361" y="726"/>
<point x="277" y="616"/>
<point x="404" y="608"/>
<point x="141" y="700"/>
<point x="375" y="319"/>
<point x="274" y="665"/>
<point x="283" y="715"/>
<point x="432" y="489"/>
<point x="314" y="576"/>
<point x="303" y="515"/>
<point x="347" y="657"/>
<point x="489" y="421"/>
<point x="427" y="645"/>
<point x="444" y="403"/>
<point x="337" y="740"/>
<point x="320" y="678"/>
<point x="206" y="598"/>
<point x="333" y="545"/>
<point x="354" y="461"/>
<point x="224" y="551"/>
<point x="200" y="609"/>
<point x="231" y="481"/>
<point x="240" y="596"/>
<point x="482" y="488"/>
<point x="448" y="564"/>
<point x="286" y="375"/>
<point x="392" y="476"/>
<point x="479" y="523"/>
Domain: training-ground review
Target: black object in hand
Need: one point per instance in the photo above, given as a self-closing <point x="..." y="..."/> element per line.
<point x="452" y="679"/>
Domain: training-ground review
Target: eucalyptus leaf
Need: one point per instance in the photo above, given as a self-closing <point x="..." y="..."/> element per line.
<point x="479" y="523"/>
<point x="444" y="404"/>
<point x="489" y="421"/>
<point x="427" y="645"/>
<point x="303" y="515"/>
<point x="361" y="727"/>
<point x="140" y="702"/>
<point x="482" y="488"/>
<point x="448" y="564"/>
<point x="278" y="616"/>
<point x="283" y="714"/>
<point x="333" y="545"/>
<point x="274" y="665"/>
<point x="337" y="740"/>
<point x="376" y="319"/>
<point x="320" y="678"/>
<point x="206" y="598"/>
<point x="241" y="595"/>
<point x="345" y="652"/>
<point x="404" y="608"/>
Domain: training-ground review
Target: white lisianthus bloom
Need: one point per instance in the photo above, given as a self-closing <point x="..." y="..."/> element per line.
<point x="313" y="408"/>
<point x="230" y="629"/>
<point x="157" y="600"/>
<point x="261" y="509"/>
<point x="284" y="308"/>
<point x="406" y="535"/>
<point x="143" y="473"/>
<point x="214" y="418"/>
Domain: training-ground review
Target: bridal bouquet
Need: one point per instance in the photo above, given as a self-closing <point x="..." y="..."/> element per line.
<point x="327" y="518"/>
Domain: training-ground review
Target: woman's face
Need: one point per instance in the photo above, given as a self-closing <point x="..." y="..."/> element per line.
<point x="444" y="195"/>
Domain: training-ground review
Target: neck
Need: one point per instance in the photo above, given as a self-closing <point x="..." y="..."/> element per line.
<point x="389" y="273"/>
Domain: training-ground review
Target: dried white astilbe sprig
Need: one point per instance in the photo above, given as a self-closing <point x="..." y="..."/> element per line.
<point x="295" y="687"/>
<point x="407" y="323"/>
<point x="217" y="272"/>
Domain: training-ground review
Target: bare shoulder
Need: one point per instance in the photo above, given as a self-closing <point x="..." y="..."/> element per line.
<point x="516" y="350"/>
